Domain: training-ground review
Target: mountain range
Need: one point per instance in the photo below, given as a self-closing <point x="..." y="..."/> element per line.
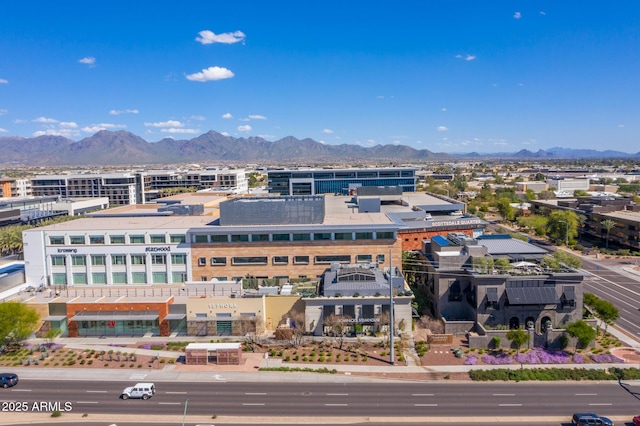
<point x="107" y="148"/>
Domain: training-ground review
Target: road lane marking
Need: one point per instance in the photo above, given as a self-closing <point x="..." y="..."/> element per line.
<point x="425" y="405"/>
<point x="255" y="393"/>
<point x="175" y="393"/>
<point x="337" y="394"/>
<point x="586" y="394"/>
<point x="602" y="403"/>
<point x="336" y="405"/>
<point x="169" y="403"/>
<point x="509" y="405"/>
<point x="504" y="394"/>
<point x="421" y="394"/>
<point x="90" y="391"/>
<point x="86" y="402"/>
<point x="253" y="403"/>
<point x="21" y="390"/>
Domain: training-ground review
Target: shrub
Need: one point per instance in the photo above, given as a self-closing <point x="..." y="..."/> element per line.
<point x="56" y="413"/>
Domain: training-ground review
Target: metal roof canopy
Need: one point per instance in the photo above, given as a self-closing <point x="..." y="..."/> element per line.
<point x="492" y="294"/>
<point x="532" y="296"/>
<point x="51" y="318"/>
<point x="115" y="316"/>
<point x="569" y="292"/>
<point x="175" y="316"/>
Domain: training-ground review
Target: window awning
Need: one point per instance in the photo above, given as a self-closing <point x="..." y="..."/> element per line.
<point x="51" y="318"/>
<point x="492" y="294"/>
<point x="569" y="292"/>
<point x="532" y="296"/>
<point x="115" y="316"/>
<point x="175" y="316"/>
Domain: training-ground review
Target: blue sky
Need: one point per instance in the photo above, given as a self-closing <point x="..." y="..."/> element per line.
<point x="448" y="76"/>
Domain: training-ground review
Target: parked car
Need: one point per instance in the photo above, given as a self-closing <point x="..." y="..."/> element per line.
<point x="140" y="390"/>
<point x="588" y="419"/>
<point x="636" y="421"/>
<point x="8" y="380"/>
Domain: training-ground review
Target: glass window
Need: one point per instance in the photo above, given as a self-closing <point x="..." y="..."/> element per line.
<point x="259" y="237"/>
<point x="157" y="239"/>
<point x="202" y="261"/>
<point x="322" y="236"/>
<point x="118" y="259"/>
<point x="200" y="239"/>
<point x="139" y="277"/>
<point x="96" y="239"/>
<point x="380" y="258"/>
<point x="220" y="278"/>
<point x="137" y="259"/>
<point x="336" y="258"/>
<point x="158" y="259"/>
<point x="280" y="237"/>
<point x="99" y="278"/>
<point x="159" y="277"/>
<point x="218" y="261"/>
<point x="116" y="239"/>
<point x="280" y="260"/>
<point x="301" y="237"/>
<point x="119" y="277"/>
<point x="364" y="258"/>
<point x="78" y="260"/>
<point x="249" y="260"/>
<point x="364" y="235"/>
<point x="136" y="239"/>
<point x="79" y="278"/>
<point x="59" y="279"/>
<point x="76" y="239"/>
<point x="58" y="260"/>
<point x="98" y="259"/>
<point x="178" y="238"/>
<point x="178" y="259"/>
<point x="385" y="235"/>
<point x="343" y="236"/>
<point x="219" y="238"/>
<point x="56" y="241"/>
<point x="178" y="277"/>
<point x="236" y="238"/>
<point x="300" y="260"/>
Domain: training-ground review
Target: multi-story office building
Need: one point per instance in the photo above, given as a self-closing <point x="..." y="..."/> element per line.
<point x="152" y="183"/>
<point x="569" y="185"/>
<point x="338" y="181"/>
<point x="10" y="187"/>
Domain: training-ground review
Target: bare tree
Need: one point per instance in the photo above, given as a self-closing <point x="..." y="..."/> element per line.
<point x="337" y="327"/>
<point x="298" y="327"/>
<point x="435" y="325"/>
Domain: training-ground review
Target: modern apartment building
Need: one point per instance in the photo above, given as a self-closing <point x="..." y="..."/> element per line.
<point x="338" y="181"/>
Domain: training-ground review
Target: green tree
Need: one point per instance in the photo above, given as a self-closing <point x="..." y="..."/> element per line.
<point x="529" y="195"/>
<point x="604" y="310"/>
<point x="502" y="264"/>
<point x="583" y="332"/>
<point x="17" y="322"/>
<point x="518" y="337"/>
<point x="505" y="209"/>
<point x="562" y="226"/>
<point x="607" y="224"/>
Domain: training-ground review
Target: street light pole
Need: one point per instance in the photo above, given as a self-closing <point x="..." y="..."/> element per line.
<point x="391" y="327"/>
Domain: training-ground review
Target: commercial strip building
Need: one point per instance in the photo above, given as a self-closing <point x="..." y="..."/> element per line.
<point x="473" y="295"/>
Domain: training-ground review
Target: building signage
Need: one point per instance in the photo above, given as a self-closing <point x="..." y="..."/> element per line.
<point x="223" y="306"/>
<point x="359" y="320"/>
<point x="459" y="222"/>
<point x="157" y="249"/>
<point x="67" y="250"/>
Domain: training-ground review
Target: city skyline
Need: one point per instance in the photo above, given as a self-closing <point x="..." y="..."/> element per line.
<point x="444" y="76"/>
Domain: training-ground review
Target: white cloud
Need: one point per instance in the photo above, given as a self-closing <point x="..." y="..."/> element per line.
<point x="198" y="117"/>
<point x="3" y="81"/>
<point x="466" y="57"/>
<point x="244" y="119"/>
<point x="257" y="117"/>
<point x="123" y="111"/>
<point x="88" y="60"/>
<point x="380" y="97"/>
<point x="3" y="111"/>
<point x="169" y="123"/>
<point x="267" y="137"/>
<point x="227" y="116"/>
<point x="542" y="12"/>
<point x="210" y="74"/>
<point x="620" y="125"/>
<point x="174" y="130"/>
<point x="245" y="128"/>
<point x="224" y="133"/>
<point x="327" y="131"/>
<point x="68" y="133"/>
<point x="3" y="130"/>
<point x="517" y="15"/>
<point x="20" y="121"/>
<point x="442" y="128"/>
<point x="68" y="125"/>
<point x="209" y="37"/>
<point x="95" y="128"/>
<point x="396" y="142"/>
<point x="371" y="141"/>
<point x="443" y="109"/>
<point x="44" y="120"/>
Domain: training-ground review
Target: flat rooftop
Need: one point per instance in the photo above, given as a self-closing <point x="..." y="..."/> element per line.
<point x="130" y="223"/>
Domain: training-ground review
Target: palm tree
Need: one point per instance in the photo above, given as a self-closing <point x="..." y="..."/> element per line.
<point x="607" y="224"/>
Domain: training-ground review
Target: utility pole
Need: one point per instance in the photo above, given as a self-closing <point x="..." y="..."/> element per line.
<point x="391" y="327"/>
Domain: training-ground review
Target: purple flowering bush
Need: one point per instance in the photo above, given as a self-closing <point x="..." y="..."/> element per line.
<point x="606" y="358"/>
<point x="578" y="359"/>
<point x="471" y="360"/>
<point x="499" y="359"/>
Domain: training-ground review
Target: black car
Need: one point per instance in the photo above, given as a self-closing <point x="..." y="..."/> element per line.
<point x="8" y="379"/>
<point x="586" y="419"/>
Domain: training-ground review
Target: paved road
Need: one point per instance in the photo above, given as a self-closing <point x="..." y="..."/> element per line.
<point x="318" y="400"/>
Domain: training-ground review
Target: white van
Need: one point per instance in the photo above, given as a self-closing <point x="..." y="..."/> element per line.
<point x="140" y="390"/>
<point x="456" y="213"/>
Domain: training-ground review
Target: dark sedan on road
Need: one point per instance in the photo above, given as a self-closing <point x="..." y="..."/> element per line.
<point x="8" y="379"/>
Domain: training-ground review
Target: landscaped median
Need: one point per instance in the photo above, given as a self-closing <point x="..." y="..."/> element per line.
<point x="553" y="374"/>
